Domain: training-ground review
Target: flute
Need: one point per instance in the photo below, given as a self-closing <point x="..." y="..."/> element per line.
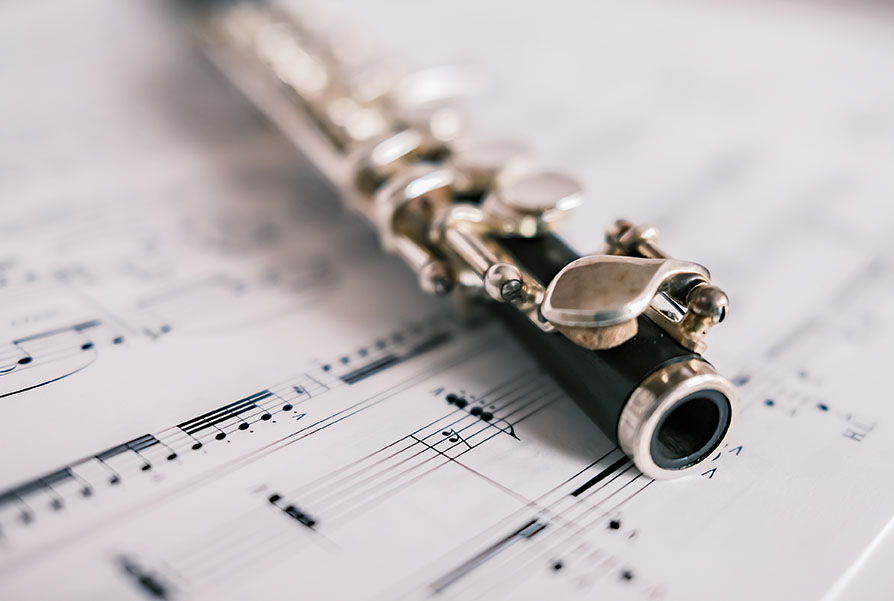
<point x="622" y="331"/>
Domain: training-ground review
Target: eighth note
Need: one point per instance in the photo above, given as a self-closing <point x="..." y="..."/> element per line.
<point x="453" y="436"/>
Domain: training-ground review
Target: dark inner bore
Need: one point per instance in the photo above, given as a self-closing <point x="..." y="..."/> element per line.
<point x="690" y="430"/>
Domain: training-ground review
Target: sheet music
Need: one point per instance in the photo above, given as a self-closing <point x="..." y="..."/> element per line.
<point x="214" y="386"/>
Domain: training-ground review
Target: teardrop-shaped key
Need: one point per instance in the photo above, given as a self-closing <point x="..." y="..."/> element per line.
<point x="606" y="290"/>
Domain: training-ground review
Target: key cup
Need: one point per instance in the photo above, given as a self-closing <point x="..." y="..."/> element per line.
<point x="595" y="300"/>
<point x="533" y="204"/>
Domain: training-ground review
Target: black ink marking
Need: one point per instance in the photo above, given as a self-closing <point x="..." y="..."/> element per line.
<point x="769" y="402"/>
<point x="370" y="369"/>
<point x="614" y="525"/>
<point x="25" y="360"/>
<point x="392" y="359"/>
<point x="429" y="344"/>
<point x="456" y="400"/>
<point x="822" y="407"/>
<point x="599" y="477"/>
<point x="287" y="407"/>
<point x="86" y="346"/>
<point x="527" y="531"/>
<point x="17" y="493"/>
<point x="79" y="327"/>
<point x="150" y="583"/>
<point x="454" y="436"/>
<point x="222" y="414"/>
<point x="136" y="445"/>
<point x="296" y="514"/>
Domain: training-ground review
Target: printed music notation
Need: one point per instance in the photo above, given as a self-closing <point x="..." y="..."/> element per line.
<point x="389" y="351"/>
<point x="196" y="235"/>
<point x="172" y="446"/>
<point x="554" y="533"/>
<point x="153" y="278"/>
<point x="149" y="581"/>
<point x="361" y="486"/>
<point x="349" y="491"/>
<point x="44" y="357"/>
<point x="793" y="379"/>
<point x="571" y="530"/>
<point x="583" y="529"/>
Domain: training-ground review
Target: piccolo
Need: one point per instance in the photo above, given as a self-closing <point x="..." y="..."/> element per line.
<point x="621" y="331"/>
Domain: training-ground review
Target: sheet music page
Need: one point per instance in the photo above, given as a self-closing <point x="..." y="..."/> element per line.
<point x="214" y="385"/>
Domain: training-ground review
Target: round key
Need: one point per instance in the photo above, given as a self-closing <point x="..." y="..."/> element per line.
<point x="533" y="204"/>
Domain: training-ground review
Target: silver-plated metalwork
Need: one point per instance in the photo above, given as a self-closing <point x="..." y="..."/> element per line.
<point x="531" y="204"/>
<point x="654" y="428"/>
<point x="452" y="207"/>
<point x="595" y="300"/>
<point x="605" y="290"/>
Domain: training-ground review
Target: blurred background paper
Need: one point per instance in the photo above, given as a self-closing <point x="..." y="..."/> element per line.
<point x="170" y="272"/>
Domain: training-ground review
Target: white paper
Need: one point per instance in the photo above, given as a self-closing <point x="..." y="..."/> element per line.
<point x="172" y="274"/>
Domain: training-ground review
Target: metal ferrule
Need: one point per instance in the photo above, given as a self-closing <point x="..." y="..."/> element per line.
<point x="676" y="418"/>
<point x="621" y="331"/>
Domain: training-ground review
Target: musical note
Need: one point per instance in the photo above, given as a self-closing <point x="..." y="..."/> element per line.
<point x="148" y="582"/>
<point x="38" y="359"/>
<point x="454" y="436"/>
<point x="292" y="511"/>
<point x="242" y="413"/>
<point x="213" y="419"/>
<point x="135" y="446"/>
<point x="484" y="414"/>
<point x="400" y="347"/>
<point x="45" y="484"/>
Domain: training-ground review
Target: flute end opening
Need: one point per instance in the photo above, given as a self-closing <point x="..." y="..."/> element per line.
<point x="677" y="419"/>
<point x="689" y="432"/>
